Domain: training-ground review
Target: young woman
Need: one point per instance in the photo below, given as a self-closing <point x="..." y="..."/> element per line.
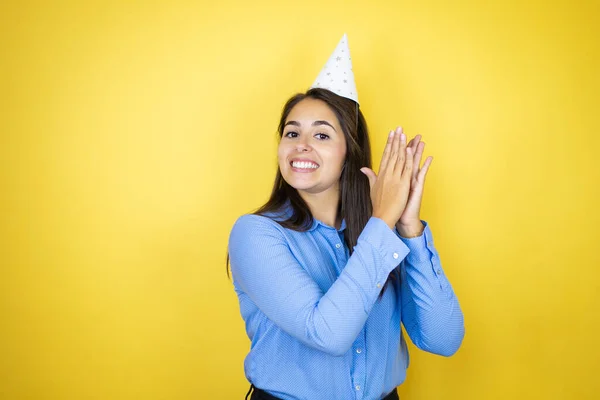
<point x="328" y="269"/>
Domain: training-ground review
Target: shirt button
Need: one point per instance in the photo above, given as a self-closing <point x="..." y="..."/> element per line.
<point x="337" y="246"/>
<point x="359" y="351"/>
<point x="357" y="387"/>
<point x="429" y="243"/>
<point x="439" y="271"/>
<point x="378" y="285"/>
<point x="395" y="255"/>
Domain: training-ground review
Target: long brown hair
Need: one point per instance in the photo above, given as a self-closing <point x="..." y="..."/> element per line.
<point x="355" y="198"/>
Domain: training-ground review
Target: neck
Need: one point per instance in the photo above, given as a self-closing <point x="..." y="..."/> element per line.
<point x="324" y="206"/>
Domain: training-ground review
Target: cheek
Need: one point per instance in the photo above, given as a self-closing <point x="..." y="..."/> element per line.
<point x="341" y="156"/>
<point x="334" y="160"/>
<point x="281" y="155"/>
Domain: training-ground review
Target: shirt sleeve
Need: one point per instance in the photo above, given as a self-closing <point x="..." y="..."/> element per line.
<point x="431" y="313"/>
<point x="263" y="267"/>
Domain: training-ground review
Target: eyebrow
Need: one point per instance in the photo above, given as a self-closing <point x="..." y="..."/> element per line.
<point x="318" y="122"/>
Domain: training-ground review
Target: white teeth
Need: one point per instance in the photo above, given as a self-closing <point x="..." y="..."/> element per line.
<point x="304" y="165"/>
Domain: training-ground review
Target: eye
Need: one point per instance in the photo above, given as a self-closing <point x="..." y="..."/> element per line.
<point x="322" y="136"/>
<point x="291" y="134"/>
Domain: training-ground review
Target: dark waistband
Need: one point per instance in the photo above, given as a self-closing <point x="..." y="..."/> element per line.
<point x="258" y="394"/>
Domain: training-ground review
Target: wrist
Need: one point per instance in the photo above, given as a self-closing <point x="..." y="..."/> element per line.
<point x="386" y="220"/>
<point x="412" y="230"/>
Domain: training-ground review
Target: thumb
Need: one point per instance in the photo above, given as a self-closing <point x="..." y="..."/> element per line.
<point x="370" y="174"/>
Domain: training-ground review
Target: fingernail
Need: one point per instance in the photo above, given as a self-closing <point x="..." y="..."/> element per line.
<point x="391" y="133"/>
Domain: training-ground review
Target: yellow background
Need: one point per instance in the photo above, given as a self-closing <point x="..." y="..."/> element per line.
<point x="133" y="134"/>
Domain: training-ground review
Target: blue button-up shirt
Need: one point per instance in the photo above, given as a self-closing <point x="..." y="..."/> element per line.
<point x="312" y="313"/>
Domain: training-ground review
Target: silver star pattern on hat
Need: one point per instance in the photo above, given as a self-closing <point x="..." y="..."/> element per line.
<point x="337" y="74"/>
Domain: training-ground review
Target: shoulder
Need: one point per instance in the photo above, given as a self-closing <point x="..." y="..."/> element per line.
<point x="252" y="226"/>
<point x="254" y="239"/>
<point x="254" y="220"/>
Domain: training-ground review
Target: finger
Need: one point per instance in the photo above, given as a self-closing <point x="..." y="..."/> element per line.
<point x="423" y="171"/>
<point x="401" y="155"/>
<point x="408" y="166"/>
<point x="414" y="143"/>
<point x="394" y="150"/>
<point x="370" y="174"/>
<point x="417" y="159"/>
<point x="386" y="152"/>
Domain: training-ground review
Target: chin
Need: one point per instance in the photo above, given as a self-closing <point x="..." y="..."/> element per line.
<point x="306" y="187"/>
<point x="300" y="185"/>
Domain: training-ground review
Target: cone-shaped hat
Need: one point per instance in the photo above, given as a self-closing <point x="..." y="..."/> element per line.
<point x="337" y="74"/>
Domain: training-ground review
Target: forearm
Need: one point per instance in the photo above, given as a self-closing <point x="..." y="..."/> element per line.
<point x="430" y="310"/>
<point x="432" y="316"/>
<point x="265" y="269"/>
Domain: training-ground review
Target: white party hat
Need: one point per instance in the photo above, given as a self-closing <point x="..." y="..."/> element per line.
<point x="337" y="74"/>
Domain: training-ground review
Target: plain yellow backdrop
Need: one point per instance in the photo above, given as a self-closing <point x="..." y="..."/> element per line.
<point x="133" y="134"/>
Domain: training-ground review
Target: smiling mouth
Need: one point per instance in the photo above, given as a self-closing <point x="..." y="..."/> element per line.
<point x="304" y="165"/>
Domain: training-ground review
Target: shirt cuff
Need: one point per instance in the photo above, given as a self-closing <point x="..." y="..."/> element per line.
<point x="421" y="247"/>
<point x="389" y="245"/>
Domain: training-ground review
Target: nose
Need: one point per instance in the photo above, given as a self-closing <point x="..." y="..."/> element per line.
<point x="302" y="146"/>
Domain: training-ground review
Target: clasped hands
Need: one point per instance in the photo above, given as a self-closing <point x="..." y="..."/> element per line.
<point x="397" y="191"/>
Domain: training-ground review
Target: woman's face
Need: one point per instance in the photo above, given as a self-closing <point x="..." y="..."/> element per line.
<point x="312" y="149"/>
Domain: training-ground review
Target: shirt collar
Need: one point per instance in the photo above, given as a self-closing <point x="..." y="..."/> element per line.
<point x="317" y="223"/>
<point x="288" y="210"/>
